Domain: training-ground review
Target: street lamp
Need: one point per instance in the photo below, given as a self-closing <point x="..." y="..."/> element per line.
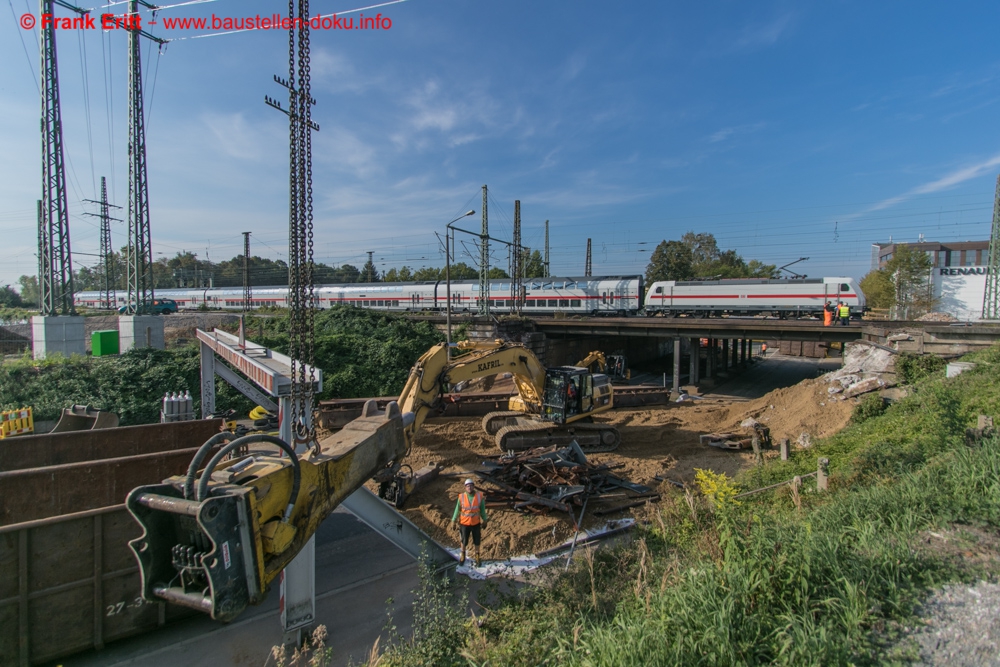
<point x="447" y="278"/>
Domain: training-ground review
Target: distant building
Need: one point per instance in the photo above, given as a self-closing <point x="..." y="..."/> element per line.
<point x="958" y="273"/>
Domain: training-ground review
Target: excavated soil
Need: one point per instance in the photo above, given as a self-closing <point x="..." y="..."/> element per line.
<point x="657" y="440"/>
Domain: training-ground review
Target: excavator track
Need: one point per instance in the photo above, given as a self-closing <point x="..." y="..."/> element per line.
<point x="592" y="438"/>
<point x="494" y="421"/>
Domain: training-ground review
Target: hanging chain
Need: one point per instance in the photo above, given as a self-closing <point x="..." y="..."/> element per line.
<point x="302" y="304"/>
<point x="306" y="126"/>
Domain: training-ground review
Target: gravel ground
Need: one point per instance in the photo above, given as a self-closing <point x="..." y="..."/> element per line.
<point x="962" y="627"/>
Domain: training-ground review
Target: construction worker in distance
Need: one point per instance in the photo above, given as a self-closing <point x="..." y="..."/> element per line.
<point x="470" y="511"/>
<point x="828" y="314"/>
<point x="845" y="313"/>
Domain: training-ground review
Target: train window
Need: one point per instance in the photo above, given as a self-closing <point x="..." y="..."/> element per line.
<point x="564" y="303"/>
<point x="844" y="287"/>
<point x="570" y="285"/>
<point x="604" y="297"/>
<point x="553" y="303"/>
<point x="574" y="303"/>
<point x="658" y="290"/>
<point x="395" y="302"/>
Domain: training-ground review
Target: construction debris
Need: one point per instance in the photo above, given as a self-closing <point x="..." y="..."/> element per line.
<point x="739" y="441"/>
<point x="551" y="478"/>
<point x="867" y="367"/>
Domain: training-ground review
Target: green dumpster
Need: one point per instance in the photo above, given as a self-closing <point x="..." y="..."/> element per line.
<point x="103" y="343"/>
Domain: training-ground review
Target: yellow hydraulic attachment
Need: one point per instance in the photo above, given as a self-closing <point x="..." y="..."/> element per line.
<point x="217" y="544"/>
<point x="614" y="366"/>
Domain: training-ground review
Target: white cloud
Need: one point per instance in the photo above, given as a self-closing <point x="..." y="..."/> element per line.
<point x="947" y="181"/>
<point x="234" y="135"/>
<point x="727" y="132"/>
<point x="760" y="35"/>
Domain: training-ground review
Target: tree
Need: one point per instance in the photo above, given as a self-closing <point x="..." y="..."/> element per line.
<point x="497" y="273"/>
<point x="369" y="274"/>
<point x="29" y="289"/>
<point x="401" y="275"/>
<point x="878" y="289"/>
<point x="671" y="260"/>
<point x="534" y="264"/>
<point x="9" y="298"/>
<point x="909" y="270"/>
<point x="698" y="256"/>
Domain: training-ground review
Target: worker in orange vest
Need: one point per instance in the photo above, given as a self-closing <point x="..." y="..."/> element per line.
<point x="470" y="511"/>
<point x="829" y="312"/>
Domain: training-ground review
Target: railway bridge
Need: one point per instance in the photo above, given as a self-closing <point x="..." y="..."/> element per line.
<point x="701" y="349"/>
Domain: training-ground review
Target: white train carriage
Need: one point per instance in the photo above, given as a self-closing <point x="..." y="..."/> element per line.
<point x="753" y="297"/>
<point x="604" y="295"/>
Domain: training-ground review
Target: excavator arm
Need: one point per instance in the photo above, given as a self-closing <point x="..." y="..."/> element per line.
<point x="434" y="370"/>
<point x="215" y="540"/>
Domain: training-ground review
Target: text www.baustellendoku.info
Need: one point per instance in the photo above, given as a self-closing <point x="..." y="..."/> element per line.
<point x="256" y="22"/>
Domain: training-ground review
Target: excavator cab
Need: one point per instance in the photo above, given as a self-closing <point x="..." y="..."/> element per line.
<point x="571" y="393"/>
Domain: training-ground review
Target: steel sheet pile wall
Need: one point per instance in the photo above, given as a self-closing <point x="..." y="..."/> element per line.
<point x="68" y="581"/>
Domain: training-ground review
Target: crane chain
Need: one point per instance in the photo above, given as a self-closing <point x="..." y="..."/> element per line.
<point x="301" y="276"/>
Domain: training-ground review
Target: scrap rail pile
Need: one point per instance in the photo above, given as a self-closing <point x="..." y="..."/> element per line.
<point x="552" y="478"/>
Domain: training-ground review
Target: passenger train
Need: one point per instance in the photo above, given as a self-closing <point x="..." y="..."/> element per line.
<point x="606" y="295"/>
<point x="753" y="296"/>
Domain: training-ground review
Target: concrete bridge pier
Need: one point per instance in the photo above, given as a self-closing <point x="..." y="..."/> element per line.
<point x="695" y="355"/>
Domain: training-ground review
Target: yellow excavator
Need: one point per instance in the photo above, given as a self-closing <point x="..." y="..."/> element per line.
<point x="615" y="366"/>
<point x="552" y="406"/>
<point x="216" y="538"/>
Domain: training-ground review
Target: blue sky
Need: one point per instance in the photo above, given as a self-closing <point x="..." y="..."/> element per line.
<point x="787" y="129"/>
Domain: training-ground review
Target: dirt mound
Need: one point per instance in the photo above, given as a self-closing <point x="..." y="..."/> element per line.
<point x="660" y="440"/>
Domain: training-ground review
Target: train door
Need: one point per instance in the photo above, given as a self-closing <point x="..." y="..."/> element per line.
<point x="414" y="301"/>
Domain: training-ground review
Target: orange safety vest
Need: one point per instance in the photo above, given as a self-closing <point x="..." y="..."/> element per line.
<point x="470" y="509"/>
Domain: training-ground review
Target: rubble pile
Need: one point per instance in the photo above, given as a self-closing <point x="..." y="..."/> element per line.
<point x="867" y="367"/>
<point x="937" y="317"/>
<point x="562" y="479"/>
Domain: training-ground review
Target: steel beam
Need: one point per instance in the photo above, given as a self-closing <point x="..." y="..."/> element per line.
<point x="393" y="526"/>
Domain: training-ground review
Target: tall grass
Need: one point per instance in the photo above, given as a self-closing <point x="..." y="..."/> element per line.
<point x="765" y="582"/>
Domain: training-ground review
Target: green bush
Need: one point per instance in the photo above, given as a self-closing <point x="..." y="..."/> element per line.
<point x="871" y="406"/>
<point x="913" y="367"/>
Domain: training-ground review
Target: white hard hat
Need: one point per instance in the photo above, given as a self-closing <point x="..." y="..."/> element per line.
<point x="469" y="481"/>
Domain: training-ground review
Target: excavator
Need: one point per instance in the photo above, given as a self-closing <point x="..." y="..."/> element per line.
<point x="615" y="366"/>
<point x="216" y="538"/>
<point x="553" y="406"/>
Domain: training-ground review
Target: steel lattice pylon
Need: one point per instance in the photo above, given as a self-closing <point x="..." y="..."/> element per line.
<point x="516" y="262"/>
<point x="247" y="293"/>
<point x="140" y="250"/>
<point x="991" y="297"/>
<point x="108" y="296"/>
<point x="588" y="267"/>
<point x="484" y="260"/>
<point x="55" y="264"/>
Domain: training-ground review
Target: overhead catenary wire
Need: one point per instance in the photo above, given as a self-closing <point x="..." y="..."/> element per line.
<point x="31" y="68"/>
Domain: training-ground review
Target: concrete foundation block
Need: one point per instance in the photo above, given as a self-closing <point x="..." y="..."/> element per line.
<point x="58" y="334"/>
<point x="140" y="331"/>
